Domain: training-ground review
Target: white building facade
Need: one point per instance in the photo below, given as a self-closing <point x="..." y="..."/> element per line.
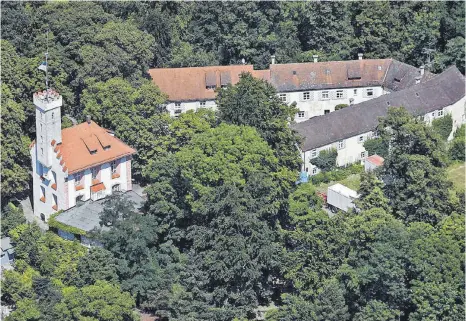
<point x="347" y="130"/>
<point x="84" y="162"/>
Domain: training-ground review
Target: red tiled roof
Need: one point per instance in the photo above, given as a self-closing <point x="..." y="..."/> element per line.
<point x="79" y="187"/>
<point x="98" y="187"/>
<point x="54" y="186"/>
<point x="184" y="84"/>
<point x="42" y="199"/>
<point x="375" y="159"/>
<point x="79" y="141"/>
<point x="53" y="142"/>
<point x="55" y="207"/>
<point x="115" y="175"/>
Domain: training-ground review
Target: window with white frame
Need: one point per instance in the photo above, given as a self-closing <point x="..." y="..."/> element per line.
<point x="339" y="94"/>
<point x="433" y="114"/>
<point x="306" y="95"/>
<point x="314" y="153"/>
<point x="325" y="94"/>
<point x="202" y="104"/>
<point x="440" y="113"/>
<point x="361" y="139"/>
<point x="326" y="111"/>
<point x="300" y="114"/>
<point x="355" y="92"/>
<point x="375" y="134"/>
<point x="283" y="97"/>
<point x="77" y="178"/>
<point x="314" y="170"/>
<point x="369" y="92"/>
<point x="114" y="166"/>
<point x="363" y="155"/>
<point x="177" y="105"/>
<point x="341" y="144"/>
<point x="42" y="151"/>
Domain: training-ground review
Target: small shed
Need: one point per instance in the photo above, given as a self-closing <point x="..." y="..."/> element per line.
<point x="372" y="162"/>
<point x="340" y="197"/>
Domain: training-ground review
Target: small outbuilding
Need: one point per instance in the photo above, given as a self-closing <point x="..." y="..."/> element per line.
<point x="373" y="162"/>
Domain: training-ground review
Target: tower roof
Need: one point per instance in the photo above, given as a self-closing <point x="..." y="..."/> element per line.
<point x="87" y="145"/>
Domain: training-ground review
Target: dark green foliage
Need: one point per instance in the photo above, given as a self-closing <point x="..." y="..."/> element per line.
<point x="414" y="170"/>
<point x="371" y="193"/>
<point x="376" y="146"/>
<point x="98" y="264"/>
<point x="457" y="145"/>
<point x="327" y="160"/>
<point x="443" y="126"/>
<point x="254" y="103"/>
<point x="340" y="106"/>
<point x="12" y="216"/>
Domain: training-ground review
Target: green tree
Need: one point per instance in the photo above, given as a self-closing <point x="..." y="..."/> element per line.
<point x="101" y="302"/>
<point x="315" y="244"/>
<point x="98" y="264"/>
<point x="15" y="153"/>
<point x="12" y="216"/>
<point x="377" y="311"/>
<point x="136" y="113"/>
<point x="376" y="146"/>
<point x="443" y="126"/>
<point x="253" y="102"/>
<point x="327" y="160"/>
<point x="414" y="170"/>
<point x="27" y="239"/>
<point x="26" y="310"/>
<point x="457" y="146"/>
<point x="371" y="193"/>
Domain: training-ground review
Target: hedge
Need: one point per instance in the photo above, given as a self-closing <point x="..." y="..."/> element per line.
<point x="61" y="226"/>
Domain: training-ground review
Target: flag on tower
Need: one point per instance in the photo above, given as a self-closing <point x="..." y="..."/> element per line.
<point x="43" y="66"/>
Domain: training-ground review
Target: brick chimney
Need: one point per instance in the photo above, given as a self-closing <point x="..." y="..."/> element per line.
<point x="316" y="57"/>
<point x="360" y="55"/>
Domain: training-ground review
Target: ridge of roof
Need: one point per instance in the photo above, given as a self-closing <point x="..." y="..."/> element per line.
<point x="75" y="153"/>
<point x="440" y="91"/>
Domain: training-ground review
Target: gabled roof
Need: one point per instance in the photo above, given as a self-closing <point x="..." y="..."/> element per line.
<point x="189" y="84"/>
<point x="442" y="90"/>
<point x="401" y="76"/>
<point x="328" y="75"/>
<point x="87" y="145"/>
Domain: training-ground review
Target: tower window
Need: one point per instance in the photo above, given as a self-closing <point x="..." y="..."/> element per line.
<point x="52" y="115"/>
<point x="40" y="127"/>
<point x="42" y="151"/>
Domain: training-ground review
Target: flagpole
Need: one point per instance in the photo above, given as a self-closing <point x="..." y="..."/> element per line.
<point x="47" y="68"/>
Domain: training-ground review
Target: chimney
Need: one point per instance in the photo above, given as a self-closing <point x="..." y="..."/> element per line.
<point x="422" y="70"/>
<point x="360" y="55"/>
<point x="316" y="57"/>
<point x="243" y="61"/>
<point x="418" y="79"/>
<point x="88" y="119"/>
<point x="273" y="59"/>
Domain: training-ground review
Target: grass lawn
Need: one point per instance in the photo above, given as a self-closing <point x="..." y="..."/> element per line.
<point x="353" y="181"/>
<point x="455" y="173"/>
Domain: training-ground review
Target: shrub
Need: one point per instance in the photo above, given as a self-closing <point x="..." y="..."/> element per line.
<point x="340" y="106"/>
<point x="327" y="160"/>
<point x="443" y="126"/>
<point x="376" y="146"/>
<point x="457" y="145"/>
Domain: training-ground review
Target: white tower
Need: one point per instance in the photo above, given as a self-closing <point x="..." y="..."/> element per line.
<point x="48" y="124"/>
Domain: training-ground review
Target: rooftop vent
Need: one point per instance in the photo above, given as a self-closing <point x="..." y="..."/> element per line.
<point x="316" y="57"/>
<point x="417" y="94"/>
<point x="294" y="72"/>
<point x="388" y="103"/>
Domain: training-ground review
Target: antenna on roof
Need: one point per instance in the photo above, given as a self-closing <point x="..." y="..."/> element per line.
<point x="428" y="51"/>
<point x="44" y="66"/>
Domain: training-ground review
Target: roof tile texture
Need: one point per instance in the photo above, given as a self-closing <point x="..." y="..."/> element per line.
<point x="76" y="153"/>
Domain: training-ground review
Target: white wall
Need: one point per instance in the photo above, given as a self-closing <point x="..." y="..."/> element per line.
<point x="190" y="105"/>
<point x="354" y="147"/>
<point x="317" y="105"/>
